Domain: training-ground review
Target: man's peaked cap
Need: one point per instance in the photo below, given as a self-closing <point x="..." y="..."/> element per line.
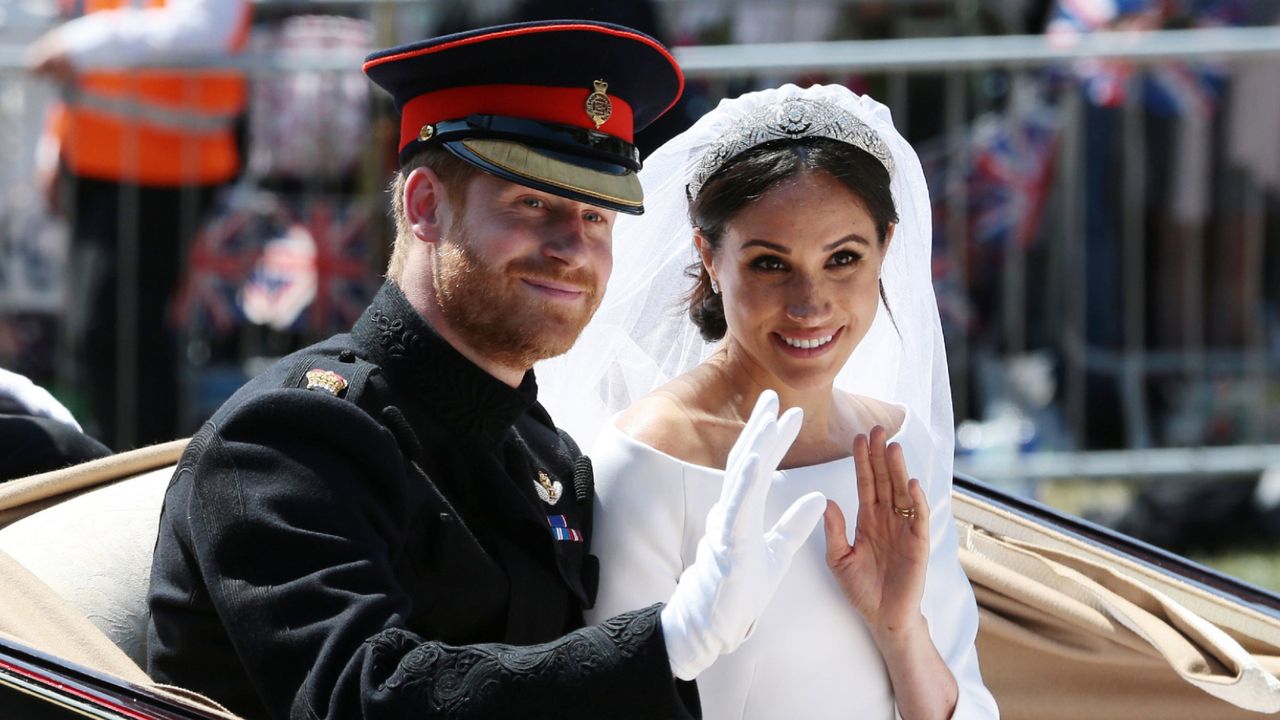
<point x="552" y="105"/>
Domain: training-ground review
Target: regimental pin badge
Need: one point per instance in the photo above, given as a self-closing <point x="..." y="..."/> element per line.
<point x="547" y="490"/>
<point x="326" y="381"/>
<point x="599" y="106"/>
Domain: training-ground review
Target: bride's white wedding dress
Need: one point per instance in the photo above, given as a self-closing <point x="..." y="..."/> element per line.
<point x="810" y="655"/>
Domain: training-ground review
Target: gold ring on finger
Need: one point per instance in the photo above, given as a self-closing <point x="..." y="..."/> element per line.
<point x="906" y="512"/>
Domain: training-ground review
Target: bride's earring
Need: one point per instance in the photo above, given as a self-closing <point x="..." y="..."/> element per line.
<point x="715" y="287"/>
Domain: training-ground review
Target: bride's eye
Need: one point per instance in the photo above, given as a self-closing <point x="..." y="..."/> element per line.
<point x="768" y="263"/>
<point x="844" y="258"/>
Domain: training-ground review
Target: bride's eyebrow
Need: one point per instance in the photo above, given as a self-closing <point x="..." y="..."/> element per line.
<point x="853" y="237"/>
<point x="783" y="250"/>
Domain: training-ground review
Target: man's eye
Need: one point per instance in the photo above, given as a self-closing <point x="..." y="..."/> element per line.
<point x="845" y="258"/>
<point x="533" y="202"/>
<point x="592" y="217"/>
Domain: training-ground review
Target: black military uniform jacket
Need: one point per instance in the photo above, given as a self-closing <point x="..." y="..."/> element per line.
<point x="376" y="528"/>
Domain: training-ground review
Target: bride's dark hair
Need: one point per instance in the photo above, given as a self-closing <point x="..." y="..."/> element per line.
<point x="749" y="176"/>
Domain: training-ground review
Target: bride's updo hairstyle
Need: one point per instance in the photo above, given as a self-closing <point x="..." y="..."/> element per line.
<point x="750" y="175"/>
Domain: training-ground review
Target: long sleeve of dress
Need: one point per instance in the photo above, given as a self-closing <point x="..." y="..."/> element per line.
<point x="949" y="604"/>
<point x="294" y="514"/>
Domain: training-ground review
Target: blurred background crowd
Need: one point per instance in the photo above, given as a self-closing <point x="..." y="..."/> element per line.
<point x="1104" y="176"/>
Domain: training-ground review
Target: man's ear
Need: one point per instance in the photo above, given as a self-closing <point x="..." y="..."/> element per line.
<point x="426" y="204"/>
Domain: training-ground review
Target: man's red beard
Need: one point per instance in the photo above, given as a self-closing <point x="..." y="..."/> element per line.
<point x="485" y="306"/>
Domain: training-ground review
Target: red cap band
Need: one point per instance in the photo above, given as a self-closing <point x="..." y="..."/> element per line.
<point x="566" y="106"/>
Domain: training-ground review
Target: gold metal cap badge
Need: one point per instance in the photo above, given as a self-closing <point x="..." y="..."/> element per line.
<point x="326" y="381"/>
<point x="599" y="106"/>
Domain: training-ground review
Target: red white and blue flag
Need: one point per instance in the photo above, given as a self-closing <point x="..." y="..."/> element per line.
<point x="217" y="266"/>
<point x="1012" y="160"/>
<point x="262" y="262"/>
<point x="314" y="274"/>
<point x="282" y="283"/>
<point x="344" y="281"/>
<point x="1171" y="88"/>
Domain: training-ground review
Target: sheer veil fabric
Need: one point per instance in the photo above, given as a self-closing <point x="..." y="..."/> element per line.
<point x="642" y="337"/>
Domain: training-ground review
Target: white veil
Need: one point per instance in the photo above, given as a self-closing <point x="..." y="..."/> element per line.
<point x="642" y="336"/>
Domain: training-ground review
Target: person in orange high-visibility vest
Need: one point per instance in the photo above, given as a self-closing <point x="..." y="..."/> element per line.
<point x="133" y="154"/>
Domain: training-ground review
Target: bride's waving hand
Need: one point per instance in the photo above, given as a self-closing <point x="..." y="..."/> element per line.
<point x="882" y="573"/>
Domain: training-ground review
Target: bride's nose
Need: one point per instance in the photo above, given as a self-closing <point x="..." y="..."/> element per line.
<point x="806" y="301"/>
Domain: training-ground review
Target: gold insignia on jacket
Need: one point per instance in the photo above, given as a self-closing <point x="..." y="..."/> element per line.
<point x="326" y="381"/>
<point x="599" y="106"/>
<point x="547" y="490"/>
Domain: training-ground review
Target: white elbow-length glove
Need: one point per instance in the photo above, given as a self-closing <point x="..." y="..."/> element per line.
<point x="738" y="565"/>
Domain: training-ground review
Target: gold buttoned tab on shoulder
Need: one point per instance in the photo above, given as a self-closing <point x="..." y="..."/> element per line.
<point x="599" y="106"/>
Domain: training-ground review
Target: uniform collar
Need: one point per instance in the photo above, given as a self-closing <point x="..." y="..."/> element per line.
<point x="471" y="401"/>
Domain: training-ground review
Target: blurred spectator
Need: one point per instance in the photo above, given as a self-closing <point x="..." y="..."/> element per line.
<point x="37" y="433"/>
<point x="133" y="158"/>
<point x="1163" y="117"/>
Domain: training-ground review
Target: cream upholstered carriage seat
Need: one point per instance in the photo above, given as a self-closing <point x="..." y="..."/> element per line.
<point x="75" y="564"/>
<point x="89" y="536"/>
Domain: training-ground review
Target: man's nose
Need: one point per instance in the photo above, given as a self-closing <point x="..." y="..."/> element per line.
<point x="568" y="241"/>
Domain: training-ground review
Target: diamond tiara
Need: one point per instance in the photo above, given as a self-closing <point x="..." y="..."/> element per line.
<point x="789" y="119"/>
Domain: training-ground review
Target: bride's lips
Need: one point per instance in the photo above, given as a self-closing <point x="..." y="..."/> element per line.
<point x="807" y="344"/>
<point x="553" y="289"/>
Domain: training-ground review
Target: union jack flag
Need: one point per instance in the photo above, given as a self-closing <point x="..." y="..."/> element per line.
<point x="1005" y="167"/>
<point x="1011" y="167"/>
<point x="1168" y="88"/>
<point x="217" y="265"/>
<point x="314" y="274"/>
<point x="282" y="283"/>
<point x="344" y="281"/>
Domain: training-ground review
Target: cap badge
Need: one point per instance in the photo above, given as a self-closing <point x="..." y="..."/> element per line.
<point x="427" y="132"/>
<point x="326" y="381"/>
<point x="547" y="490"/>
<point x="599" y="106"/>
